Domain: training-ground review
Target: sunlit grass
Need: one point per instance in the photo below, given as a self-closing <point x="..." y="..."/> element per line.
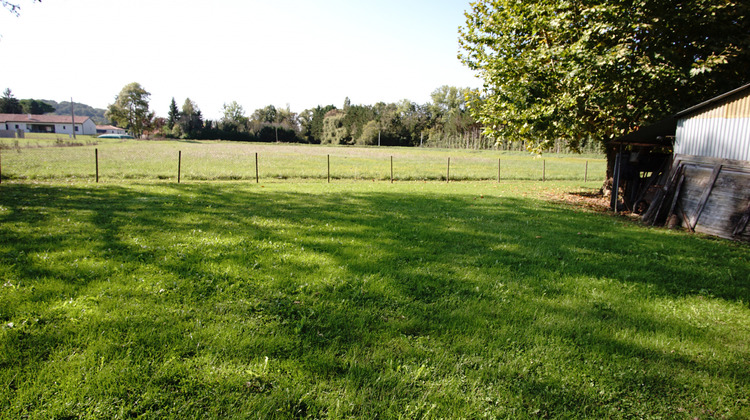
<point x="158" y="160"/>
<point x="360" y="300"/>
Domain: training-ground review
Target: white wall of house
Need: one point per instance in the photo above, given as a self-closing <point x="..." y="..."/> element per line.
<point x="14" y="126"/>
<point x="87" y="128"/>
<point x="111" y="131"/>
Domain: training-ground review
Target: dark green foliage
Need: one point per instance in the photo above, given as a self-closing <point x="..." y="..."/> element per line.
<point x="312" y="123"/>
<point x="173" y="116"/>
<point x="10" y="104"/>
<point x="36" y="107"/>
<point x="276" y="132"/>
<point x="191" y="119"/>
<point x="265" y="115"/>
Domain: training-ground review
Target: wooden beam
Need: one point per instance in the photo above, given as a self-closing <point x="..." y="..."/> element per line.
<point x="742" y="224"/>
<point x="705" y="196"/>
<point x="685" y="220"/>
<point x="663" y="194"/>
<point x="676" y="195"/>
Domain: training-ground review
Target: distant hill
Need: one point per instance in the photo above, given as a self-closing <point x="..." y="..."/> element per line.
<point x="63" y="108"/>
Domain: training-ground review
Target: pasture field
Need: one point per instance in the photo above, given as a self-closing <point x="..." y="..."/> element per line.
<point x="214" y="160"/>
<point x="409" y="300"/>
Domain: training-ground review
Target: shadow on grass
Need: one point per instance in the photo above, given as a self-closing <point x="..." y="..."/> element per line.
<point x="504" y="305"/>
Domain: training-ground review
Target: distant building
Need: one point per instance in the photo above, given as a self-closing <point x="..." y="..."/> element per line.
<point x="109" y="129"/>
<point x="58" y="124"/>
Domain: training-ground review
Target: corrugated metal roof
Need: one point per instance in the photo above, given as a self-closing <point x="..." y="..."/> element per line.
<point x="713" y="101"/>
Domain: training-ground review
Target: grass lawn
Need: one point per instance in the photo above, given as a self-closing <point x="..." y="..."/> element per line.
<point x="360" y="300"/>
<point x="121" y="161"/>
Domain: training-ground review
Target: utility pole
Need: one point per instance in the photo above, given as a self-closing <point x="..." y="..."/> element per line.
<point x="72" y="118"/>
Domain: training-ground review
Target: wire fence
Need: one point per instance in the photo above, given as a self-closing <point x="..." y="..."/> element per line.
<point x="183" y="161"/>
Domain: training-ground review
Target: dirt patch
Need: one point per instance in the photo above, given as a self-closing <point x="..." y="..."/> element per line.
<point x="587" y="200"/>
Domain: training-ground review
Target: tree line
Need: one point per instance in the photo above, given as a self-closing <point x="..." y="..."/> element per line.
<point x="406" y="123"/>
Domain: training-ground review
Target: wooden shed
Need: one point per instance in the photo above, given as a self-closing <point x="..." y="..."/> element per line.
<point x="705" y="184"/>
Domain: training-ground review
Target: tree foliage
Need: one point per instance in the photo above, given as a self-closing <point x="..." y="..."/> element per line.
<point x="191" y="119"/>
<point x="36" y="107"/>
<point x="234" y="117"/>
<point x="334" y="129"/>
<point x="9" y="104"/>
<point x="63" y="108"/>
<point x="130" y="109"/>
<point x="173" y="115"/>
<point x="593" y="70"/>
<point x="311" y="121"/>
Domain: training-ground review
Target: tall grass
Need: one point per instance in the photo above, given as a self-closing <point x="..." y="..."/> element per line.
<point x="360" y="300"/>
<point x="139" y="160"/>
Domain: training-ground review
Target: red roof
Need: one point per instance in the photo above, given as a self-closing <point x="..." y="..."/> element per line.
<point x="40" y="119"/>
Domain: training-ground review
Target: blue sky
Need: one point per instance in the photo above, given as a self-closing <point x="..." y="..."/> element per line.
<point x="275" y="52"/>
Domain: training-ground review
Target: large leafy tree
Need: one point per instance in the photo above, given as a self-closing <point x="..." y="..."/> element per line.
<point x="130" y="109"/>
<point x="191" y="118"/>
<point x="579" y="71"/>
<point x="450" y="110"/>
<point x="233" y="118"/>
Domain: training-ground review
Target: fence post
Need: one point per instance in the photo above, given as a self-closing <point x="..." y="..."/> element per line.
<point x="544" y="170"/>
<point x="586" y="172"/>
<point x="96" y="159"/>
<point x="448" y="176"/>
<point x="329" y="168"/>
<point x="1" y="166"/>
<point x="498" y="170"/>
<point x="391" y="169"/>
<point x="179" y="165"/>
<point x="257" y="178"/>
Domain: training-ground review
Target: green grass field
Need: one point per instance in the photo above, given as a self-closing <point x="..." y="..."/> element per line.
<point x="158" y="160"/>
<point x="356" y="299"/>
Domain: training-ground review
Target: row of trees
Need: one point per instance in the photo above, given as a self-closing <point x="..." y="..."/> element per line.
<point x="9" y="104"/>
<point x="443" y="121"/>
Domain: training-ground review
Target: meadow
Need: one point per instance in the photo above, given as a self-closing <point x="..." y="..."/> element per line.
<point x="36" y="159"/>
<point x="354" y="299"/>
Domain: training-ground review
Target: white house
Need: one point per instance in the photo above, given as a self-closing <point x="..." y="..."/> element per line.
<point x="109" y="129"/>
<point x="59" y="124"/>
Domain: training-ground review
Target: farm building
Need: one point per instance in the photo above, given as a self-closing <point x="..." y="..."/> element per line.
<point x="692" y="169"/>
<point x="60" y="124"/>
<point x="109" y="129"/>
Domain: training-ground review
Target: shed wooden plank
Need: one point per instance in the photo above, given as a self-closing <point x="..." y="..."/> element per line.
<point x="742" y="224"/>
<point x="704" y="197"/>
<point x="676" y="195"/>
